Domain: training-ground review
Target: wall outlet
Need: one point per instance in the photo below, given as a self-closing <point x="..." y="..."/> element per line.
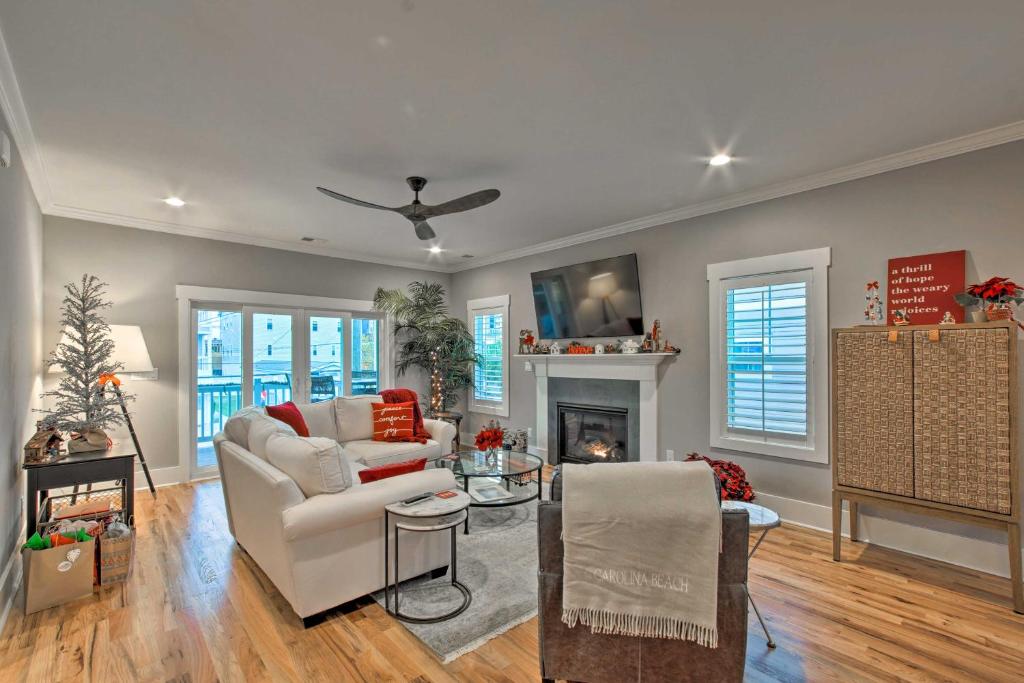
<point x="670" y="455"/>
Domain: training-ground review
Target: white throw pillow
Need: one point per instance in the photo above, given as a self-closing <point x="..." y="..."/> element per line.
<point x="261" y="430"/>
<point x="355" y="417"/>
<point x="237" y="426"/>
<point x="317" y="465"/>
<point x="320" y="419"/>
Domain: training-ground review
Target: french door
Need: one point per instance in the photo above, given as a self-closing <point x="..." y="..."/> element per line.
<point x="266" y="355"/>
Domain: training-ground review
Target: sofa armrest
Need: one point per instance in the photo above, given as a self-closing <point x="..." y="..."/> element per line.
<point x="442" y="432"/>
<point x="361" y="503"/>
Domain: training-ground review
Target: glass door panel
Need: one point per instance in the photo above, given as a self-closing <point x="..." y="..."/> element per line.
<point x="217" y="381"/>
<point x="272" y="361"/>
<point x="365" y="356"/>
<point x="326" y="356"/>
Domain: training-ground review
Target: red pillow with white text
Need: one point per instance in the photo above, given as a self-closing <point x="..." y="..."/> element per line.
<point x="290" y="415"/>
<point x="394" y="422"/>
<point x="391" y="470"/>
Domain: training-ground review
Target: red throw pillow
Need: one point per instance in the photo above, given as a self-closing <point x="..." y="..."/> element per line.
<point x="392" y="470"/>
<point x="392" y="421"/>
<point x="290" y="415"/>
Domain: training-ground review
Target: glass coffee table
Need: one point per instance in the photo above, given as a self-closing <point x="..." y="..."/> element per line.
<point x="507" y="478"/>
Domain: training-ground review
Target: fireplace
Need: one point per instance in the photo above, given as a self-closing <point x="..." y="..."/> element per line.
<point x="588" y="434"/>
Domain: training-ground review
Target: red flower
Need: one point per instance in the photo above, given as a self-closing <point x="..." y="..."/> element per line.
<point x="490" y="437"/>
<point x="996" y="289"/>
<point x="733" y="478"/>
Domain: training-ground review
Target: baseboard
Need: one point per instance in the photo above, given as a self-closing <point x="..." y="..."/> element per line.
<point x="162" y="476"/>
<point x="977" y="548"/>
<point x="13" y="564"/>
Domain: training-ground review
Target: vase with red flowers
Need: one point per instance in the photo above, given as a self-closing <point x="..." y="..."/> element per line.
<point x="732" y="477"/>
<point x="996" y="296"/>
<point x="489" y="440"/>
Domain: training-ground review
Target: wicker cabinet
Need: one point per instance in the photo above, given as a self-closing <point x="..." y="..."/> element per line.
<point x="924" y="418"/>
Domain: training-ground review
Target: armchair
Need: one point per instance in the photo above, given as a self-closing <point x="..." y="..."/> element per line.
<point x="577" y="654"/>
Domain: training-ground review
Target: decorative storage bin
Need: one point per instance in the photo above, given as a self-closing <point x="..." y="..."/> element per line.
<point x="924" y="418"/>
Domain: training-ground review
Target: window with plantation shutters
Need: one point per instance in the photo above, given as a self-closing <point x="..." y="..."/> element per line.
<point x="488" y="323"/>
<point x="769" y="357"/>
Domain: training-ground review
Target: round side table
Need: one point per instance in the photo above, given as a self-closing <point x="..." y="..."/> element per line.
<point x="432" y="514"/>
<point x="764" y="520"/>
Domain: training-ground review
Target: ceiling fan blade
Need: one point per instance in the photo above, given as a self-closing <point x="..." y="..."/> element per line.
<point x="424" y="231"/>
<point x="353" y="200"/>
<point x="470" y="201"/>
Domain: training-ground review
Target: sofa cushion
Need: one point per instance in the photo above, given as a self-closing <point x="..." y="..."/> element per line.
<point x="320" y="419"/>
<point x="392" y="469"/>
<point x="393" y="422"/>
<point x="237" y="426"/>
<point x="261" y="430"/>
<point x="289" y="413"/>
<point x="316" y="464"/>
<point x="355" y="417"/>
<point x="373" y="453"/>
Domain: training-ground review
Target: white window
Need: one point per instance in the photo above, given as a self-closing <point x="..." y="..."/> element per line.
<point x="488" y="323"/>
<point x="769" y="355"/>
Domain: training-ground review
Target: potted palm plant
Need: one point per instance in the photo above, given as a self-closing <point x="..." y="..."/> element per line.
<point x="429" y="339"/>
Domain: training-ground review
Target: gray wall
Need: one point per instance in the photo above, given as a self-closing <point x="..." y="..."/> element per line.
<point x="20" y="350"/>
<point x="143" y="267"/>
<point x="972" y="202"/>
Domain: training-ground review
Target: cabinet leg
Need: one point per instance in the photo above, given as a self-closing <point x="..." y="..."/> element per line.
<point x="837" y="525"/>
<point x="854" y="519"/>
<point x="1013" y="533"/>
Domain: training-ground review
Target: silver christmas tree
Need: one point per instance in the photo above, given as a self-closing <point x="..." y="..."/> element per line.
<point x="85" y="355"/>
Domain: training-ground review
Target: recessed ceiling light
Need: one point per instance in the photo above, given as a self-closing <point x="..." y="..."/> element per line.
<point x="720" y="160"/>
<point x="436" y="249"/>
<point x="175" y="202"/>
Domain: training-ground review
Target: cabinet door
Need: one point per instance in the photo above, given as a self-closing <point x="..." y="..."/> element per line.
<point x="962" y="418"/>
<point x="874" y="418"/>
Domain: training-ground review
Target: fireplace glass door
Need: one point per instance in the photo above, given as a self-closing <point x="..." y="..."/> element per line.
<point x="589" y="434"/>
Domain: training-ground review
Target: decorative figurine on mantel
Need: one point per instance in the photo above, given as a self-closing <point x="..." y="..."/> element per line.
<point x="656" y="340"/>
<point x="872" y="304"/>
<point x="948" y="319"/>
<point x="526" y="341"/>
<point x="900" y="317"/>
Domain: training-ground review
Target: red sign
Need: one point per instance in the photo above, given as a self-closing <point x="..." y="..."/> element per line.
<point x="923" y="287"/>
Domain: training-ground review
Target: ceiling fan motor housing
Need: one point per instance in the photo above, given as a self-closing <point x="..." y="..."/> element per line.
<point x="416" y="182"/>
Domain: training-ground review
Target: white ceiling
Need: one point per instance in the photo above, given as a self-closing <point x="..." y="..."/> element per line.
<point x="585" y="114"/>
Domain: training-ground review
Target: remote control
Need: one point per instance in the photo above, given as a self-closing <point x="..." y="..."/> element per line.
<point x="417" y="498"/>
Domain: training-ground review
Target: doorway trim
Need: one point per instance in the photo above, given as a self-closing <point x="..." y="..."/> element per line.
<point x="189" y="295"/>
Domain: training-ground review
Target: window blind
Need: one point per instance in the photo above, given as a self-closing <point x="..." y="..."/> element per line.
<point x="488" y="378"/>
<point x="766" y="359"/>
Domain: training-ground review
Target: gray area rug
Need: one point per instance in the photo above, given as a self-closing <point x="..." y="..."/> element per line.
<point x="498" y="563"/>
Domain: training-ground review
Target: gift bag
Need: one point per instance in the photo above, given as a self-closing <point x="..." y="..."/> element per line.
<point x="57" y="575"/>
<point x="116" y="556"/>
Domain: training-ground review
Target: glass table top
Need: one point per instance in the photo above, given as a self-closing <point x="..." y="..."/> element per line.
<point x="506" y="463"/>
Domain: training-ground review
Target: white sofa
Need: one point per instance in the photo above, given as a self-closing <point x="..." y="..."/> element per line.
<point x="327" y="549"/>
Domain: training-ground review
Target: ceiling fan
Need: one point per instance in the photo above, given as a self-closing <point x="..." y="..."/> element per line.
<point x="418" y="212"/>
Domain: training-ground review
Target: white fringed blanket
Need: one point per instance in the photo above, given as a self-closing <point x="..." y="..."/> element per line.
<point x="641" y="549"/>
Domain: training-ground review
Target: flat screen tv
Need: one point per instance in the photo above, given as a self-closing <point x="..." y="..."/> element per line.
<point x="593" y="299"/>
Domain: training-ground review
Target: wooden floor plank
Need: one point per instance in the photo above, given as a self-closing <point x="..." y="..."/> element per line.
<point x="198" y="609"/>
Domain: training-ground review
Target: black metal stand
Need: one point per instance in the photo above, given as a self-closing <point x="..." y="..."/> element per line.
<point x="135" y="439"/>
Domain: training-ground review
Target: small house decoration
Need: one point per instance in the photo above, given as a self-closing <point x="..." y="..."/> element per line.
<point x="526" y="341"/>
<point x="872" y="304"/>
<point x="44" y="446"/>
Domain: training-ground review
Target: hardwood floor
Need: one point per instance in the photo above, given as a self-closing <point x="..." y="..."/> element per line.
<point x="198" y="609"/>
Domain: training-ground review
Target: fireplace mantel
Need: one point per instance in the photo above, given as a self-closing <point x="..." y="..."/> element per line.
<point x="636" y="367"/>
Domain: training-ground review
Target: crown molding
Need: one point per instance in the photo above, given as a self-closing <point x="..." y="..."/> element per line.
<point x="991" y="137"/>
<point x="229" y="236"/>
<point x="21" y="128"/>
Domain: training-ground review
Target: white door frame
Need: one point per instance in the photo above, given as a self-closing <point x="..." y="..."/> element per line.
<point x="189" y="295"/>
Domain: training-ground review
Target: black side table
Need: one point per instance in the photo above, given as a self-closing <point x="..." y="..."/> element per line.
<point x="455" y="419"/>
<point x="114" y="464"/>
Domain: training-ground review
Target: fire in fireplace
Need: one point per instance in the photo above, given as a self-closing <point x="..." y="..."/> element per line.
<point x="589" y="434"/>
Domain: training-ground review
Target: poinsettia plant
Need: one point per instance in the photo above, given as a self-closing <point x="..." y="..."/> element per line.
<point x="996" y="290"/>
<point x="491" y="436"/>
<point x="732" y="476"/>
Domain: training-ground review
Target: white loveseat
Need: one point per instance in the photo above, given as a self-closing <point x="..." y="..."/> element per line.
<point x="324" y="550"/>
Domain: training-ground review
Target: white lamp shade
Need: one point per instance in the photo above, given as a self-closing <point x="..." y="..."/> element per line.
<point x="129" y="349"/>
